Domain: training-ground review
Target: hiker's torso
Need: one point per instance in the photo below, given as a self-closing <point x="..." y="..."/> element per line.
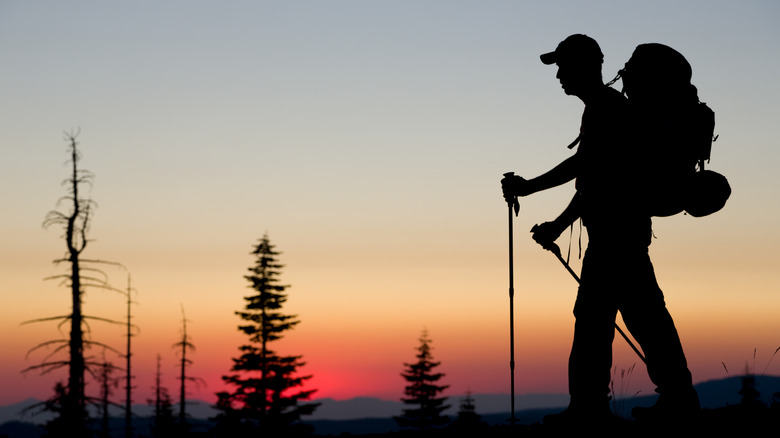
<point x="606" y="178"/>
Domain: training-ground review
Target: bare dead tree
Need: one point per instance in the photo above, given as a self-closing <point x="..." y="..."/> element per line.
<point x="72" y="400"/>
<point x="160" y="393"/>
<point x="184" y="346"/>
<point x="128" y="355"/>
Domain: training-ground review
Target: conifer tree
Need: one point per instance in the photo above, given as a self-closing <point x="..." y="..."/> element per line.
<point x="164" y="424"/>
<point x="106" y="369"/>
<point x="422" y="391"/>
<point x="467" y="418"/>
<point x="266" y="391"/>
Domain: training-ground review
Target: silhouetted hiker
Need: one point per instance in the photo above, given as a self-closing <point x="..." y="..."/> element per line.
<point x="616" y="271"/>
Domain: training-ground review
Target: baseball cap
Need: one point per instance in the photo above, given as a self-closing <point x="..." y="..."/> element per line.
<point x="577" y="47"/>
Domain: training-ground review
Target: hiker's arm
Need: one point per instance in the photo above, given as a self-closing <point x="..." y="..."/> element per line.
<point x="570" y="214"/>
<point x="558" y="175"/>
<point x="562" y="173"/>
<point x="547" y="233"/>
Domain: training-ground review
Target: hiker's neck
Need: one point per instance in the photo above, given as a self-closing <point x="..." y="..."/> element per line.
<point x="592" y="93"/>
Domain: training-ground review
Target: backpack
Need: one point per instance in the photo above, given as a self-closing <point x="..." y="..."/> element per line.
<point x="679" y="131"/>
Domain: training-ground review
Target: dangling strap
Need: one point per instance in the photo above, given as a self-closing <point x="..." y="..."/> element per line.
<point x="616" y="78"/>
<point x="574" y="143"/>
<point x="579" y="241"/>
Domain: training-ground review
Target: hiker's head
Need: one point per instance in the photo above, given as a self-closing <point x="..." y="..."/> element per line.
<point x="658" y="73"/>
<point x="579" y="60"/>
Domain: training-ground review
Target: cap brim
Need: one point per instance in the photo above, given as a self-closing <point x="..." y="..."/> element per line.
<point x="548" y="58"/>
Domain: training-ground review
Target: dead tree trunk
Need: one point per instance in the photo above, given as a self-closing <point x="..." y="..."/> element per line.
<point x="70" y="401"/>
<point x="129" y="375"/>
<point x="184" y="345"/>
<point x="74" y="406"/>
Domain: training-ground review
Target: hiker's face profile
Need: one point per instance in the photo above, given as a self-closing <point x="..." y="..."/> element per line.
<point x="571" y="78"/>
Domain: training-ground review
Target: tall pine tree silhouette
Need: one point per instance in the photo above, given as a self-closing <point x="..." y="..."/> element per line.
<point x="422" y="391"/>
<point x="267" y="393"/>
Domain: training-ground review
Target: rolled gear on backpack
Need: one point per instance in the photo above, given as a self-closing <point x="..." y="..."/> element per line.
<point x="708" y="193"/>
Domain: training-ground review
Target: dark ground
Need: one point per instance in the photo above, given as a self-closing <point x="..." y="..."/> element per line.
<point x="730" y="421"/>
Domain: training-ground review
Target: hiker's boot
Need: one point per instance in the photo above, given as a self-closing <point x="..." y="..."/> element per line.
<point x="589" y="415"/>
<point x="670" y="407"/>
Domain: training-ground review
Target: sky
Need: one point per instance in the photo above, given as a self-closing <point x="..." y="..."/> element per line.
<point x="367" y="140"/>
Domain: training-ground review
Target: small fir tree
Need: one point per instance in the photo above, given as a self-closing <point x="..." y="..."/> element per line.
<point x="751" y="397"/>
<point x="266" y="395"/>
<point x="422" y="391"/>
<point x="164" y="423"/>
<point x="468" y="418"/>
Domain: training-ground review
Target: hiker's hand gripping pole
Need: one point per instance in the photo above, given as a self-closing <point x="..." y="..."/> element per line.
<point x="553" y="248"/>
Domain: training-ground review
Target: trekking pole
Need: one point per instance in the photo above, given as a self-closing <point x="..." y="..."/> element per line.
<point x="513" y="205"/>
<point x="557" y="251"/>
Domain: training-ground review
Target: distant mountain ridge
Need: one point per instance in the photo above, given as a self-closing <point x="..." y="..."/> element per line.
<point x="369" y="407"/>
<point x="713" y="394"/>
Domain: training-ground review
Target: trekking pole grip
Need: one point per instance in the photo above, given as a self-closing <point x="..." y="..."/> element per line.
<point x="514" y="203"/>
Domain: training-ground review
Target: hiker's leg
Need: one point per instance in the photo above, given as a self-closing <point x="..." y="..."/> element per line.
<point x="647" y="318"/>
<point x="590" y="361"/>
